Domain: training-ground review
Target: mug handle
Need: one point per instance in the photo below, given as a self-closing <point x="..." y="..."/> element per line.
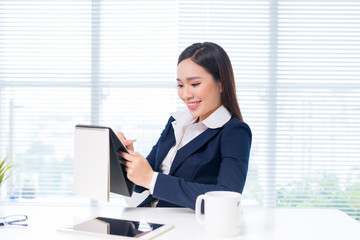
<point x="199" y="217"/>
<point x="239" y="214"/>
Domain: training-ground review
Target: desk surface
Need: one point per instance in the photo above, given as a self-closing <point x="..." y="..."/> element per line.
<point x="257" y="223"/>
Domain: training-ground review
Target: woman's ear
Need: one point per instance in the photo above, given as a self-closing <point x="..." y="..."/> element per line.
<point x="220" y="86"/>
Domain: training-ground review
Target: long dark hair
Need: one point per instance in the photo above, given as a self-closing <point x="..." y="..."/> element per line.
<point x="215" y="60"/>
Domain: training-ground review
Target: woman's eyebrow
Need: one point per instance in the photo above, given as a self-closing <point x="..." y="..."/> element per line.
<point x="189" y="79"/>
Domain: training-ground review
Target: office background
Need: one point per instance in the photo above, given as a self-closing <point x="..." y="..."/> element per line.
<point x="113" y="63"/>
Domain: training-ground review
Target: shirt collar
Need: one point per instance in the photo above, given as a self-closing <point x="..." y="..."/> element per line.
<point x="216" y="120"/>
<point x="183" y="117"/>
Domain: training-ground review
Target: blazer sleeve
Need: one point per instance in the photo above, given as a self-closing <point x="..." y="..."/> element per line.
<point x="234" y="148"/>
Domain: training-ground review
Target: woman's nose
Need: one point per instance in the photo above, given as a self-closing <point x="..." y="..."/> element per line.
<point x="187" y="93"/>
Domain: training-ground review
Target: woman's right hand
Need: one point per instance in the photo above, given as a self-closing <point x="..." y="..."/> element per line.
<point x="129" y="144"/>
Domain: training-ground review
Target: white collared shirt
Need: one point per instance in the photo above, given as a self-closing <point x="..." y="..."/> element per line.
<point x="185" y="130"/>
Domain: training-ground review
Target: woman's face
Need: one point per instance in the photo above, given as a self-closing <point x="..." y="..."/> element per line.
<point x="198" y="89"/>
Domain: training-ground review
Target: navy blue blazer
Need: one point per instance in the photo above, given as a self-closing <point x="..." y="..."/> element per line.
<point x="217" y="159"/>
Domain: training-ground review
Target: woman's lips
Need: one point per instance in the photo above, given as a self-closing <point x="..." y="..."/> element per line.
<point x="193" y="105"/>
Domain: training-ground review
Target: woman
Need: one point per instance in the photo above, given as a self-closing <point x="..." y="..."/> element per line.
<point x="200" y="150"/>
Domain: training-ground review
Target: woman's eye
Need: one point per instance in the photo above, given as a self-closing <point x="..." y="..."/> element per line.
<point x="179" y="86"/>
<point x="195" y="84"/>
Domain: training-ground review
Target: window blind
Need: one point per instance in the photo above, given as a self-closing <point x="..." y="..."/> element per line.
<point x="113" y="63"/>
<point x="45" y="72"/>
<point x="317" y="153"/>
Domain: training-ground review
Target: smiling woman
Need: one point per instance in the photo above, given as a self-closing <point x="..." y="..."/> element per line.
<point x="203" y="149"/>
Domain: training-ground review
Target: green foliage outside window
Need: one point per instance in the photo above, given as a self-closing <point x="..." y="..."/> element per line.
<point x="326" y="191"/>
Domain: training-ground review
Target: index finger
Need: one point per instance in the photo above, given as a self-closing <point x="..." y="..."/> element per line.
<point x="125" y="156"/>
<point x="121" y="136"/>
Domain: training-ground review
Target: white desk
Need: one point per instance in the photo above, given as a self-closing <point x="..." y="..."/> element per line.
<point x="258" y="223"/>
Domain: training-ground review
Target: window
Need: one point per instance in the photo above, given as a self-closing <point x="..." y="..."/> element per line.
<point x="113" y="63"/>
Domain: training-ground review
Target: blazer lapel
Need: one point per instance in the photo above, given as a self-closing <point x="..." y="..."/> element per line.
<point x="164" y="148"/>
<point x="191" y="147"/>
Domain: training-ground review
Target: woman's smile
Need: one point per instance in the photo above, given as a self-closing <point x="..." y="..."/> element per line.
<point x="193" y="105"/>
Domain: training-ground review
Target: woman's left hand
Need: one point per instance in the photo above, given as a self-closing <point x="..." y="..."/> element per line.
<point x="138" y="169"/>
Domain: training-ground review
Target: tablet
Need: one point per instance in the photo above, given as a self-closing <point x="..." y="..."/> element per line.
<point x="112" y="228"/>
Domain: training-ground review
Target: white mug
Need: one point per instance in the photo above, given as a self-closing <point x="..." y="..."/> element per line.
<point x="222" y="212"/>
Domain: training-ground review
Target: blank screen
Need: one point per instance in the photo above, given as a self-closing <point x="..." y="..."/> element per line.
<point x="119" y="227"/>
